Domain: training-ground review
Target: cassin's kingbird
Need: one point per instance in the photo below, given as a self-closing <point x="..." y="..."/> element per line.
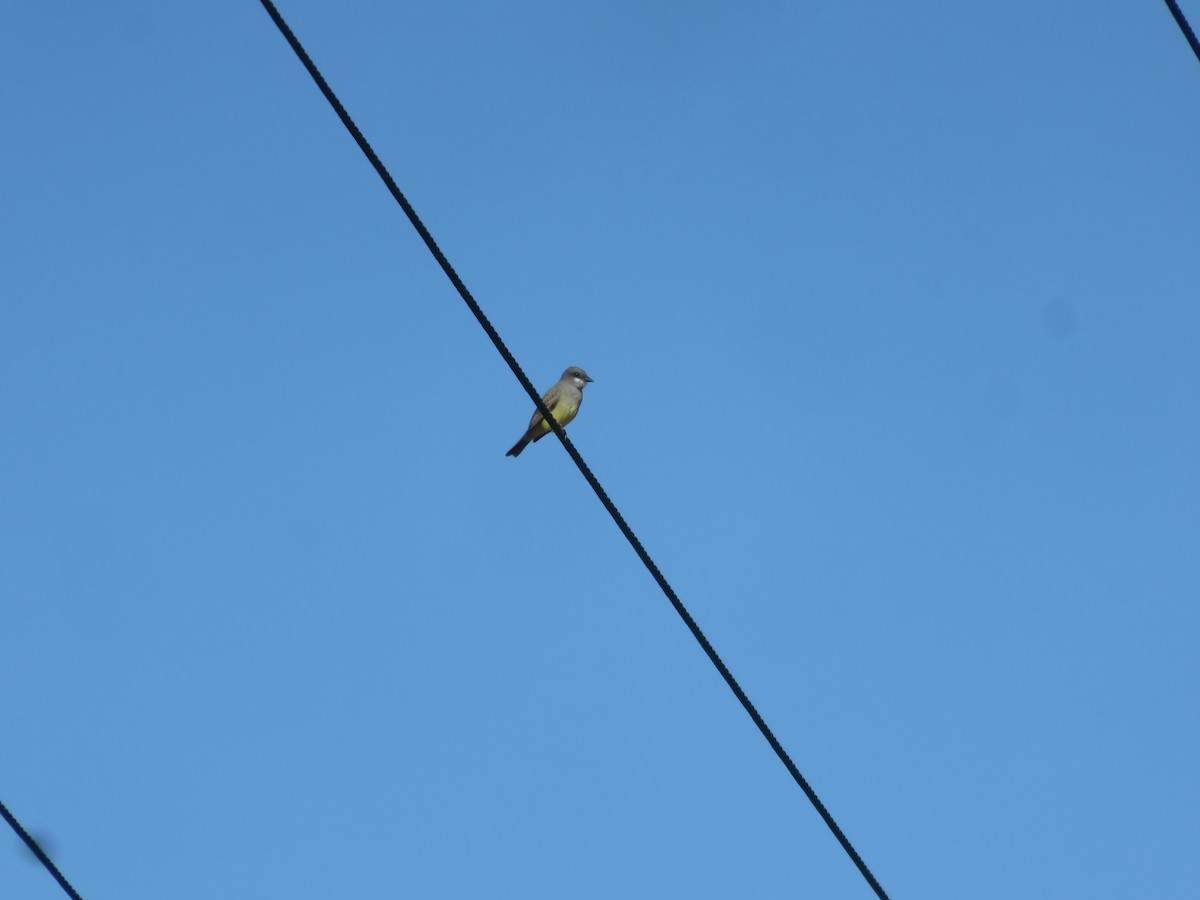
<point x="562" y="400"/>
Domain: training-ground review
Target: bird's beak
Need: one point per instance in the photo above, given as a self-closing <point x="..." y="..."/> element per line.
<point x="585" y="378"/>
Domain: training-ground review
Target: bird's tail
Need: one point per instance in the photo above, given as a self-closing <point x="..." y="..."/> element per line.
<point x="518" y="446"/>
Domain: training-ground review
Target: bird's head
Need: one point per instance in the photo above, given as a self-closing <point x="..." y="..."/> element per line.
<point x="577" y="375"/>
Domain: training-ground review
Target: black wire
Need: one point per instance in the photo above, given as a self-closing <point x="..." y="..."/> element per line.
<point x="1184" y="26"/>
<point x="574" y="454"/>
<point x="38" y="852"/>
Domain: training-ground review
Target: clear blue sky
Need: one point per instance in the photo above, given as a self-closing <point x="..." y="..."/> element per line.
<point x="893" y="314"/>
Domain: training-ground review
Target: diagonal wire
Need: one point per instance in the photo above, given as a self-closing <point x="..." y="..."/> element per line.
<point x="1184" y="26"/>
<point x="574" y="454"/>
<point x="37" y="851"/>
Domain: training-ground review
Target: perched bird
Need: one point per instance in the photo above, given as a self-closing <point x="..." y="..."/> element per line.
<point x="562" y="400"/>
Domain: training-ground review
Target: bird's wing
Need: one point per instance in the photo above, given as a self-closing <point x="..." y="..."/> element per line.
<point x="549" y="398"/>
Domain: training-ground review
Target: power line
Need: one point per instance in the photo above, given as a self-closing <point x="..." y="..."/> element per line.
<point x="38" y="852"/>
<point x="574" y="454"/>
<point x="1184" y="26"/>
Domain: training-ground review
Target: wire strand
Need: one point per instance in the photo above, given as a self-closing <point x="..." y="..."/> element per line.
<point x="574" y="454"/>
<point x="1182" y="22"/>
<point x="37" y="851"/>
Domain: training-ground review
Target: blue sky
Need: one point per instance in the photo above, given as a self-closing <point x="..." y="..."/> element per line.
<point x="892" y="313"/>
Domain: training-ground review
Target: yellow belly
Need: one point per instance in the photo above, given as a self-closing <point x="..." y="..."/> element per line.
<point x="564" y="411"/>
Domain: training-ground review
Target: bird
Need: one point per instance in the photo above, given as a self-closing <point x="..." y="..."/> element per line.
<point x="562" y="400"/>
